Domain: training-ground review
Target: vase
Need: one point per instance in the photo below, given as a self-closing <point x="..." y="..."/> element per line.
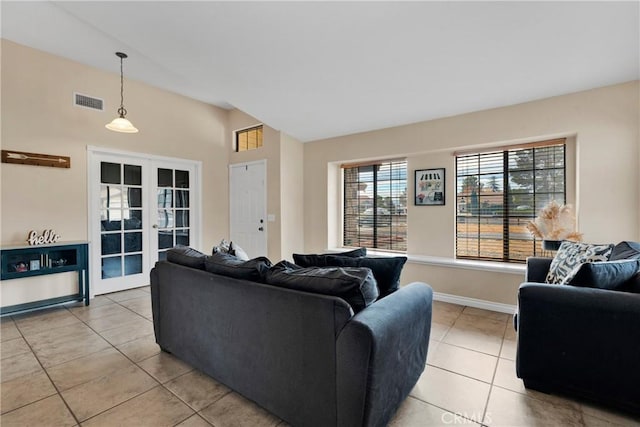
<point x="551" y="245"/>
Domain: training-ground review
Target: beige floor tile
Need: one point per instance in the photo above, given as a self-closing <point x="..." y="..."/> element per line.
<point x="416" y="413"/>
<point x="445" y="313"/>
<point x="52" y="409"/>
<point x="234" y="410"/>
<point x="56" y="354"/>
<point x="466" y="362"/>
<point x="100" y="394"/>
<point x="138" y="304"/>
<point x="433" y="345"/>
<point x="129" y="331"/>
<point x="155" y="408"/>
<point x="506" y="378"/>
<point x="508" y="408"/>
<point x="509" y="349"/>
<point x="194" y="421"/>
<point x="97" y="301"/>
<point x="9" y="331"/>
<point x="19" y="366"/>
<point x="140" y="349"/>
<point x="14" y="347"/>
<point x="25" y="390"/>
<point x="197" y="389"/>
<point x="476" y="333"/>
<point x="45" y="322"/>
<point x="145" y="289"/>
<point x="127" y="295"/>
<point x="112" y="321"/>
<point x="599" y="415"/>
<point x="452" y="392"/>
<point x="104" y="310"/>
<point x="510" y="333"/>
<point x="87" y="368"/>
<point x="493" y="315"/>
<point x="164" y="367"/>
<point x="438" y="331"/>
<point x="47" y="338"/>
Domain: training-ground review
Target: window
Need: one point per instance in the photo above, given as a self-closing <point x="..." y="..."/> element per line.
<point x="498" y="192"/>
<point x="249" y="139"/>
<point x="375" y="205"/>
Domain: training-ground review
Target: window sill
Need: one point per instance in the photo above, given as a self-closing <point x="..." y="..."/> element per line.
<point x="497" y="267"/>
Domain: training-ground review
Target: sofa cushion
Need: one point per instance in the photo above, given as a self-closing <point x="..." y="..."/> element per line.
<point x="386" y="270"/>
<point x="356" y="286"/>
<point x="572" y="255"/>
<point x="611" y="275"/>
<point x="320" y="260"/>
<point x="231" y="266"/>
<point x="625" y="250"/>
<point x="184" y="255"/>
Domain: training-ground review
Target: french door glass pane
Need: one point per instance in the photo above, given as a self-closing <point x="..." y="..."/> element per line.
<point x="173" y="209"/>
<point x="120" y="191"/>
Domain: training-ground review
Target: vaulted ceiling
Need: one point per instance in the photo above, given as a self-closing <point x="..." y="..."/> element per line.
<point x="321" y="69"/>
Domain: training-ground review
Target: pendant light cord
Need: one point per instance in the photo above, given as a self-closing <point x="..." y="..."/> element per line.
<point x="122" y="111"/>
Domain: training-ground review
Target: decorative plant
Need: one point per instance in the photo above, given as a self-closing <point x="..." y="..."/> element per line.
<point x="555" y="222"/>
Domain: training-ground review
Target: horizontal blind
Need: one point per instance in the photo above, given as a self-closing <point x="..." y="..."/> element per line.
<point x="375" y="205"/>
<point x="498" y="193"/>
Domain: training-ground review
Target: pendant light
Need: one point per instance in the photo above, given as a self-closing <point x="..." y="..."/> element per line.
<point x="120" y="123"/>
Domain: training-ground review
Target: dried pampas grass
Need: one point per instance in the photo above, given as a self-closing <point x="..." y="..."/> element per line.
<point x="555" y="222"/>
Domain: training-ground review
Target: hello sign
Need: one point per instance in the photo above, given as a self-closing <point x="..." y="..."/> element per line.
<point x="48" y="236"/>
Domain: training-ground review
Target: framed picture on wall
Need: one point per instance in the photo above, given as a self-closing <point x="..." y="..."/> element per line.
<point x="429" y="187"/>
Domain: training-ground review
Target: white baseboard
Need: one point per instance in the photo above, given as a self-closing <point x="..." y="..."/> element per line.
<point x="476" y="303"/>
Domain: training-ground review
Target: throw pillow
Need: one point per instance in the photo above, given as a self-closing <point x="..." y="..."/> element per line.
<point x="319" y="260"/>
<point x="386" y="270"/>
<point x="611" y="275"/>
<point x="184" y="255"/>
<point x="222" y="247"/>
<point x="625" y="250"/>
<point x="571" y="255"/>
<point x="238" y="252"/>
<point x="356" y="286"/>
<point x="231" y="266"/>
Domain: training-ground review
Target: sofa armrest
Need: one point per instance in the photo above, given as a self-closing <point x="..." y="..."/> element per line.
<point x="579" y="338"/>
<point x="537" y="269"/>
<point x="381" y="353"/>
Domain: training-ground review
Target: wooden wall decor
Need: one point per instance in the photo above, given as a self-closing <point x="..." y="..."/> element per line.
<point x="35" y="159"/>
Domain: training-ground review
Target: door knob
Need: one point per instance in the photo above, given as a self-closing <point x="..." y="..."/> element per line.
<point x="155" y="225"/>
<point x="260" y="228"/>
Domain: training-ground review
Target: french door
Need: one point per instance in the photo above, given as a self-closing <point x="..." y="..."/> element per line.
<point x="139" y="207"/>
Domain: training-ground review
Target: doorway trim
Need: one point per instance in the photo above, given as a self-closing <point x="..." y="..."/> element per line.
<point x="93" y="209"/>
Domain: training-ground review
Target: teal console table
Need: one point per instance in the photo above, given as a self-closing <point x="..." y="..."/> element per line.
<point x="28" y="261"/>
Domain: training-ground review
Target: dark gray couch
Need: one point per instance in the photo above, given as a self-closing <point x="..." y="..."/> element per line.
<point x="304" y="357"/>
<point x="579" y="340"/>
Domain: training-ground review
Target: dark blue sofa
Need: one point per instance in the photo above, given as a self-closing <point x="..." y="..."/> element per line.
<point x="581" y="341"/>
<point x="303" y="356"/>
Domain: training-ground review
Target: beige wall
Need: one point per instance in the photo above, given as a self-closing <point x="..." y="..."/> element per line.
<point x="602" y="124"/>
<point x="38" y="116"/>
<point x="292" y="196"/>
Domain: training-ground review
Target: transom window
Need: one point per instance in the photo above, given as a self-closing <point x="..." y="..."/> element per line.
<point x="499" y="191"/>
<point x="249" y="139"/>
<point x="375" y="205"/>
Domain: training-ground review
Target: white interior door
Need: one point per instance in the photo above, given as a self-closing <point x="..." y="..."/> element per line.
<point x="139" y="208"/>
<point x="248" y="207"/>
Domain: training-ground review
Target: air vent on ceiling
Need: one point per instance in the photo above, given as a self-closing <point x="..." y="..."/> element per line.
<point x="90" y="102"/>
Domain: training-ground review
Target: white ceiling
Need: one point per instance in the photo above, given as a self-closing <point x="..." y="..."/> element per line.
<point x="320" y="69"/>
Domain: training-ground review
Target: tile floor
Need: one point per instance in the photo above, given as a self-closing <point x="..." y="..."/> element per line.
<point x="99" y="366"/>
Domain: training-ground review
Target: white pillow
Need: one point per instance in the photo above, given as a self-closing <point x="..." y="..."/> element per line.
<point x="569" y="258"/>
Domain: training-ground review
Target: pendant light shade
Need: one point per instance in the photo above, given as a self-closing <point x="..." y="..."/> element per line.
<point x="120" y="123"/>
